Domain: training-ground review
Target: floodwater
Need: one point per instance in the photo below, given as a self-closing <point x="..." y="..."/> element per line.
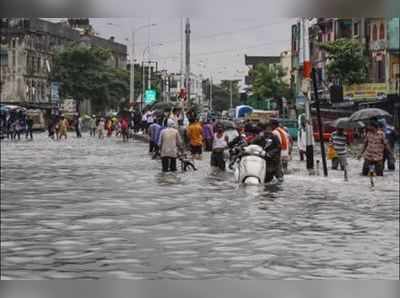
<point x="89" y="208"/>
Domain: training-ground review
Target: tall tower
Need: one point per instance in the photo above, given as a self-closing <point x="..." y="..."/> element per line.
<point x="187" y="70"/>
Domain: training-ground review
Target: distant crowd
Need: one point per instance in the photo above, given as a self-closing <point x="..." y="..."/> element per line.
<point x="16" y="123"/>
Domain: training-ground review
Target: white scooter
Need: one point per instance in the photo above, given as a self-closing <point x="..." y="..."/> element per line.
<point x="249" y="165"/>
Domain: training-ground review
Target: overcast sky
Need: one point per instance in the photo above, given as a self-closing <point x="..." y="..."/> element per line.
<point x="218" y="45"/>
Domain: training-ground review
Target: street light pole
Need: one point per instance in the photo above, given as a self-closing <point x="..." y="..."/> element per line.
<point x="307" y="95"/>
<point x="132" y="77"/>
<point x="132" y="74"/>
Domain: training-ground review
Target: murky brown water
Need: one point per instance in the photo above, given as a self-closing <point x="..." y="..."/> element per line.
<point x="86" y="208"/>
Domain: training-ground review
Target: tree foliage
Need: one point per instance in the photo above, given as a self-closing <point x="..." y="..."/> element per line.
<point x="85" y="74"/>
<point x="268" y="82"/>
<point x="347" y="62"/>
<point x="221" y="95"/>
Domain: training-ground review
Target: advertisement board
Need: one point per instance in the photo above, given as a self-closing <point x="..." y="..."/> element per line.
<point x="55" y="91"/>
<point x="365" y="91"/>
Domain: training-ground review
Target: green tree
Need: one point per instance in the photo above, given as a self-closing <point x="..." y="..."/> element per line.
<point x="221" y="95"/>
<point x="268" y="82"/>
<point x="347" y="62"/>
<point x="84" y="74"/>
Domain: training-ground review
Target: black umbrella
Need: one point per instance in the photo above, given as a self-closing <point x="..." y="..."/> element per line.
<point x="345" y="123"/>
<point x="367" y="114"/>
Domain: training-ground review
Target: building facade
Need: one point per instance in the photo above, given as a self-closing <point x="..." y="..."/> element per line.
<point x="379" y="38"/>
<point x="27" y="48"/>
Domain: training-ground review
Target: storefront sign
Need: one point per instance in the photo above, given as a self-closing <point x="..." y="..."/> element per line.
<point x="55" y="94"/>
<point x="365" y="91"/>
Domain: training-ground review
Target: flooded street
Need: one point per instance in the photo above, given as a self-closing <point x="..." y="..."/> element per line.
<point x="89" y="208"/>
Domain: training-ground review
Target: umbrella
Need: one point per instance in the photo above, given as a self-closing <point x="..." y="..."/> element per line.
<point x="242" y="111"/>
<point x="345" y="123"/>
<point x="367" y="114"/>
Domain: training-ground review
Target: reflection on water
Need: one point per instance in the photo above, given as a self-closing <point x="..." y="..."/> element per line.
<point x="87" y="208"/>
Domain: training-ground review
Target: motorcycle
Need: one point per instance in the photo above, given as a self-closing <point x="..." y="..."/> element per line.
<point x="249" y="162"/>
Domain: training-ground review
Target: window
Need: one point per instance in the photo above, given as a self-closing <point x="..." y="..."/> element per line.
<point x="14" y="58"/>
<point x="356" y="29"/>
<point x="13" y="43"/>
<point x="3" y="57"/>
<point x="27" y="62"/>
<point x="39" y="62"/>
<point x="382" y="32"/>
<point x="33" y="64"/>
<point x="381" y="71"/>
<point x="374" y="32"/>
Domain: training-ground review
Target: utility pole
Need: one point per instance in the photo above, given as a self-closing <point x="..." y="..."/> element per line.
<point x="230" y="93"/>
<point x="149" y="75"/>
<point x="306" y="88"/>
<point x="211" y="91"/>
<point x="143" y="85"/>
<point x="181" y="55"/>
<point x="168" y="87"/>
<point x="187" y="72"/>
<point x="321" y="133"/>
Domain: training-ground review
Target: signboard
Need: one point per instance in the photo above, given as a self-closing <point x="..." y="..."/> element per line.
<point x="69" y="106"/>
<point x="55" y="88"/>
<point x="365" y="91"/>
<point x="258" y="115"/>
<point x="150" y="96"/>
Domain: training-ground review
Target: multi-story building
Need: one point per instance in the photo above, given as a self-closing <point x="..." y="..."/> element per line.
<point x="379" y="38"/>
<point x="372" y="33"/>
<point x="393" y="53"/>
<point x="27" y="46"/>
<point x="26" y="55"/>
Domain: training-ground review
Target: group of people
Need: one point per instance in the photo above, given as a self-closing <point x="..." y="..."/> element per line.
<point x="168" y="139"/>
<point x="378" y="148"/>
<point x="101" y="126"/>
<point x="15" y="123"/>
<point x="59" y="125"/>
